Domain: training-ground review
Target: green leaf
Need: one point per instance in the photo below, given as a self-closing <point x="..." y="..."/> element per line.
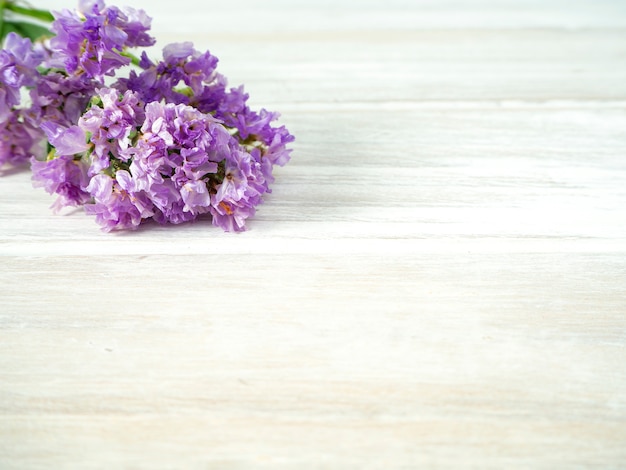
<point x="27" y="30"/>
<point x="42" y="15"/>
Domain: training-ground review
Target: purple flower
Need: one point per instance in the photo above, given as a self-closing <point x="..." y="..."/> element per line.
<point x="231" y="216"/>
<point x="181" y="64"/>
<point x="177" y="152"/>
<point x="256" y="127"/>
<point x="68" y="141"/>
<point x="277" y="140"/>
<point x="169" y="129"/>
<point x="169" y="143"/>
<point x="27" y="58"/>
<point x="196" y="164"/>
<point x="63" y="176"/>
<point x="60" y="98"/>
<point x="264" y="144"/>
<point x="90" y="40"/>
<point x="18" y="68"/>
<point x="116" y="204"/>
<point x="19" y="141"/>
<point x="196" y="197"/>
<point x="111" y="126"/>
<point x="166" y="170"/>
<point x="239" y="193"/>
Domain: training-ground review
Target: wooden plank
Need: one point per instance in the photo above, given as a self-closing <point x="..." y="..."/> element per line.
<point x="403" y="360"/>
<point x="414" y="65"/>
<point x="278" y="16"/>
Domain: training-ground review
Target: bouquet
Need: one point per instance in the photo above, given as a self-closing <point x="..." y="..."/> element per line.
<point x="127" y="137"/>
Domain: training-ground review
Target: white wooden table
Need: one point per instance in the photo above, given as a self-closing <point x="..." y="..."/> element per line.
<point x="437" y="281"/>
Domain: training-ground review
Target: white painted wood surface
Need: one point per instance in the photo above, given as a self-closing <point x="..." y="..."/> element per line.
<point x="437" y="281"/>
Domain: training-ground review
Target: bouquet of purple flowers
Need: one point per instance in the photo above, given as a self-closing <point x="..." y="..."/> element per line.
<point x="166" y="141"/>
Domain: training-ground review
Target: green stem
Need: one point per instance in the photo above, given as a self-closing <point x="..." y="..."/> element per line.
<point x="2" y="5"/>
<point x="133" y="58"/>
<point x="42" y="15"/>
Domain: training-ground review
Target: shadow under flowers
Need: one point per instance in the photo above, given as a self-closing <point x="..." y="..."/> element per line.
<point x="7" y="170"/>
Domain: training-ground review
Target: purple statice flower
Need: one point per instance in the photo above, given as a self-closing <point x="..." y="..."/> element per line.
<point x="60" y="98"/>
<point x="194" y="68"/>
<point x="19" y="141"/>
<point x="177" y="153"/>
<point x="195" y="196"/>
<point x="63" y="176"/>
<point x="182" y="163"/>
<point x="183" y="73"/>
<point x="239" y="193"/>
<point x="169" y="142"/>
<point x="18" y="68"/>
<point x="206" y="91"/>
<point x="254" y="130"/>
<point x="67" y="141"/>
<point x="27" y="58"/>
<point x="111" y="126"/>
<point x="117" y="205"/>
<point x="277" y="139"/>
<point x="266" y="144"/>
<point x="90" y="40"/>
<point x="155" y="162"/>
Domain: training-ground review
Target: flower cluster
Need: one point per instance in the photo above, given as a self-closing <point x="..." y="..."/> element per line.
<point x="166" y="141"/>
<point x="19" y="137"/>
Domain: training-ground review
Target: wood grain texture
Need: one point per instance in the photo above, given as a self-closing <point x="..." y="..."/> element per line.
<point x="438" y="279"/>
